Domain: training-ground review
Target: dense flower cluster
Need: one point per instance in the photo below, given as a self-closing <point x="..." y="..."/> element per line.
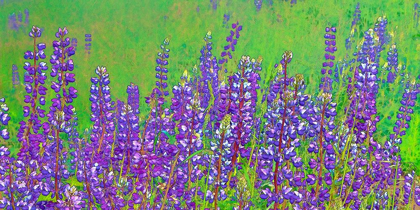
<point x="219" y="139"/>
<point x="61" y="110"/>
<point x="34" y="86"/>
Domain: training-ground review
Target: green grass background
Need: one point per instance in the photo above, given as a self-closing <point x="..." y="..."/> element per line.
<point x="126" y="35"/>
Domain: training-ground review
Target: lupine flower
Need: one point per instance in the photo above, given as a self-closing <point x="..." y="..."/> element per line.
<point x="216" y="144"/>
<point x="20" y="17"/>
<point x="159" y="122"/>
<point x="381" y="37"/>
<point x="26" y="16"/>
<point x="363" y="104"/>
<point x="161" y="68"/>
<point x="74" y="43"/>
<point x="102" y="135"/>
<point x="29" y="134"/>
<point x="34" y="76"/>
<point x="151" y="128"/>
<point x="13" y="22"/>
<point x="326" y="81"/>
<point x="208" y="83"/>
<point x="258" y="4"/>
<point x="214" y="4"/>
<point x="128" y="133"/>
<point x="356" y="18"/>
<point x="392" y="64"/>
<point x="242" y="108"/>
<point x="61" y="110"/>
<point x="283" y="128"/>
<point x="219" y="170"/>
<point x="88" y="39"/>
<point x="320" y="115"/>
<point x="15" y="76"/>
<point x="219" y="173"/>
<point x="7" y="178"/>
<point x="404" y="115"/>
<point x="209" y="73"/>
<point x="133" y="99"/>
<point x="4" y="119"/>
<point x="232" y="40"/>
<point x="102" y="138"/>
<point x="416" y="14"/>
<point x="74" y="199"/>
<point x="226" y="18"/>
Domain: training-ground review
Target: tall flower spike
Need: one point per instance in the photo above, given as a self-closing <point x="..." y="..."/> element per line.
<point x="102" y="112"/>
<point x="209" y="73"/>
<point x="4" y="119"/>
<point x="380" y="35"/>
<point x="405" y="111"/>
<point x="189" y="116"/>
<point x="362" y="110"/>
<point x="160" y="122"/>
<point x="123" y="147"/>
<point x="326" y="80"/>
<point x="244" y="99"/>
<point x="34" y="85"/>
<point x="258" y="4"/>
<point x="133" y="97"/>
<point x="392" y="64"/>
<point x="208" y="84"/>
<point x="356" y="18"/>
<point x="232" y="40"/>
<point x="99" y="152"/>
<point x="61" y="110"/>
<point x="161" y="68"/>
<point x="15" y="76"/>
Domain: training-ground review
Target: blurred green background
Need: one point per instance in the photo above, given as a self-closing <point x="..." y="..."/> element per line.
<point x="126" y="35"/>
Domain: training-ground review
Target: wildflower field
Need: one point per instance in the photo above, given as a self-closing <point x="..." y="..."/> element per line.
<point x="215" y="104"/>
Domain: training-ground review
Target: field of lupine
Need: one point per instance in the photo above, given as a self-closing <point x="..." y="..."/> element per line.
<point x="231" y="133"/>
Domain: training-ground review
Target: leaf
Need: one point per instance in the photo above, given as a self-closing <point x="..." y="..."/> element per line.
<point x="193" y="154"/>
<point x="45" y="198"/>
<point x="74" y="182"/>
<point x="272" y="204"/>
<point x="248" y="180"/>
<point x="171" y="138"/>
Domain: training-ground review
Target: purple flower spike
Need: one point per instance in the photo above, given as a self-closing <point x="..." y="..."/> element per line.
<point x="326" y="81"/>
<point x="4" y="119"/>
<point x="230" y="47"/>
<point x="162" y="69"/>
